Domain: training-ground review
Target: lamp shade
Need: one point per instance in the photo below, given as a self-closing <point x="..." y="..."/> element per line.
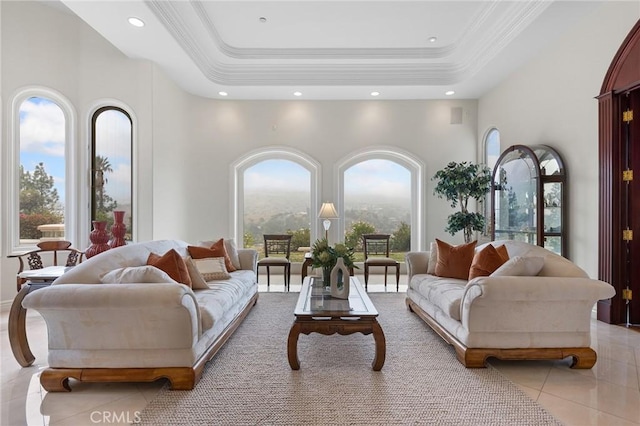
<point x="328" y="211"/>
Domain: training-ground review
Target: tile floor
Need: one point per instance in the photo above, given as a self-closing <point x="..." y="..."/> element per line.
<point x="608" y="394"/>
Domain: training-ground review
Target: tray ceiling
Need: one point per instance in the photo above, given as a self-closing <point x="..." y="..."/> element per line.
<point x="333" y="49"/>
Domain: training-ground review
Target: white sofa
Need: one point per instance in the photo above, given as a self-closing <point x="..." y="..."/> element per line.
<point x="547" y="316"/>
<point x="138" y="331"/>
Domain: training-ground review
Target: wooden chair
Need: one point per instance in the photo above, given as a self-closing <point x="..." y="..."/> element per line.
<point x="376" y="253"/>
<point x="277" y="250"/>
<point x="34" y="260"/>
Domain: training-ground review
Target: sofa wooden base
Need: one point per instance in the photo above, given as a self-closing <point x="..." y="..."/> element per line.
<point x="477" y="357"/>
<point x="180" y="378"/>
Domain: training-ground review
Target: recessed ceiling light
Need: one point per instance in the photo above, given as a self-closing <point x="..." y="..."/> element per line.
<point x="262" y="19"/>
<point x="222" y="93"/>
<point x="433" y="39"/>
<point x="136" y="22"/>
<point x="449" y="92"/>
<point x="375" y="93"/>
<point x="297" y="93"/>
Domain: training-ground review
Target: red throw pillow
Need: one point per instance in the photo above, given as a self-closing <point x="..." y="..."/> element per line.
<point x="216" y="250"/>
<point x="487" y="260"/>
<point x="502" y="251"/>
<point x="454" y="261"/>
<point x="173" y="264"/>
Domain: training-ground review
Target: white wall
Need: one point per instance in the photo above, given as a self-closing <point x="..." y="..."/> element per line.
<point x="328" y="131"/>
<point x="42" y="46"/>
<point x="551" y="101"/>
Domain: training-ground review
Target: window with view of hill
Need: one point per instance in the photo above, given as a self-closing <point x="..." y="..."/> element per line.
<point x="276" y="200"/>
<point x="111" y="177"/>
<point x="42" y="170"/>
<point x="377" y="199"/>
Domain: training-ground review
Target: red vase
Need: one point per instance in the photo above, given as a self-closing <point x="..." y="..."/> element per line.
<point x="118" y="229"/>
<point x="99" y="238"/>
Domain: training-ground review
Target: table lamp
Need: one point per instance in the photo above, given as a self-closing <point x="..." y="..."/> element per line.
<point x="327" y="212"/>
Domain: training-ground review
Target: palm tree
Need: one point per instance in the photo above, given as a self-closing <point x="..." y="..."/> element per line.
<point x="101" y="167"/>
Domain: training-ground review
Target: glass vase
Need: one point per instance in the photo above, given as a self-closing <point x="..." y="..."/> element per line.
<point x="326" y="276"/>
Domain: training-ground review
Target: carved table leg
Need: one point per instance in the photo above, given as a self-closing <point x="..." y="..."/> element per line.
<point x="17" y="329"/>
<point x="292" y="346"/>
<point x="381" y="351"/>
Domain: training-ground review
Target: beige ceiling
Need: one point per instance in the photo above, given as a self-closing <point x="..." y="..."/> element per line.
<point x="333" y="49"/>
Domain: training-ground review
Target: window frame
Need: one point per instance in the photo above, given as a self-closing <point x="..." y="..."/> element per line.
<point x="11" y="166"/>
<point x="271" y="153"/>
<point x="92" y="152"/>
<point x="485" y="146"/>
<point x="486" y="201"/>
<point x="403" y="158"/>
<point x="135" y="199"/>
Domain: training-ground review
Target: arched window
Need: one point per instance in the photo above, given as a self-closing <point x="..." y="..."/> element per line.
<point x="491" y="155"/>
<point x="377" y="198"/>
<point x="41" y="169"/>
<point x="275" y="191"/>
<point x="277" y="201"/>
<point x="491" y="148"/>
<point x="382" y="188"/>
<point x="111" y="169"/>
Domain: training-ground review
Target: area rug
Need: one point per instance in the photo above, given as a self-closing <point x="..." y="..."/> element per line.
<point x="249" y="382"/>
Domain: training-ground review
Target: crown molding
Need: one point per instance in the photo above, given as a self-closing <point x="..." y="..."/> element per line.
<point x="192" y="28"/>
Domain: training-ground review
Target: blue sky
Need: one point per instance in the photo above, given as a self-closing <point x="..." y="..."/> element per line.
<point x="42" y="140"/>
<point x="279" y="174"/>
<point x="375" y="178"/>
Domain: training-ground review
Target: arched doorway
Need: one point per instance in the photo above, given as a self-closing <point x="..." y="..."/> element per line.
<point x="619" y="156"/>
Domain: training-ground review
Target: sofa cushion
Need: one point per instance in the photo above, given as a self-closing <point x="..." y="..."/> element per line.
<point x="212" y="268"/>
<point x="231" y="248"/>
<point x="137" y="274"/>
<point x="487" y="260"/>
<point x="221" y="296"/>
<point x="173" y="264"/>
<point x="454" y="261"/>
<point x="528" y="266"/>
<point x="217" y="249"/>
<point x="445" y="293"/>
<point x="197" y="280"/>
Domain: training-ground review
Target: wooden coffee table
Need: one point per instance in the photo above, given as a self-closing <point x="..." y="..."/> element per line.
<point x="318" y="312"/>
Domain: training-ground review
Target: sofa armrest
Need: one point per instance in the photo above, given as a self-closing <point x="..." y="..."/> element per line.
<point x="118" y="316"/>
<point x="417" y="263"/>
<point x="248" y="259"/>
<point x="536" y="303"/>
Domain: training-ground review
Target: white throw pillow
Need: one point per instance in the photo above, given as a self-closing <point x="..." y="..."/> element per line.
<point x="433" y="259"/>
<point x="212" y="268"/>
<point x="229" y="246"/>
<point x="136" y="274"/>
<point x="521" y="266"/>
<point x="197" y="280"/>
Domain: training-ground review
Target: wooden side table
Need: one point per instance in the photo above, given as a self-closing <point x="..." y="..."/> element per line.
<point x="307" y="262"/>
<point x="36" y="279"/>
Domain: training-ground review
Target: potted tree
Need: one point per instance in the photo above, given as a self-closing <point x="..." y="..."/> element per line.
<point x="457" y="183"/>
